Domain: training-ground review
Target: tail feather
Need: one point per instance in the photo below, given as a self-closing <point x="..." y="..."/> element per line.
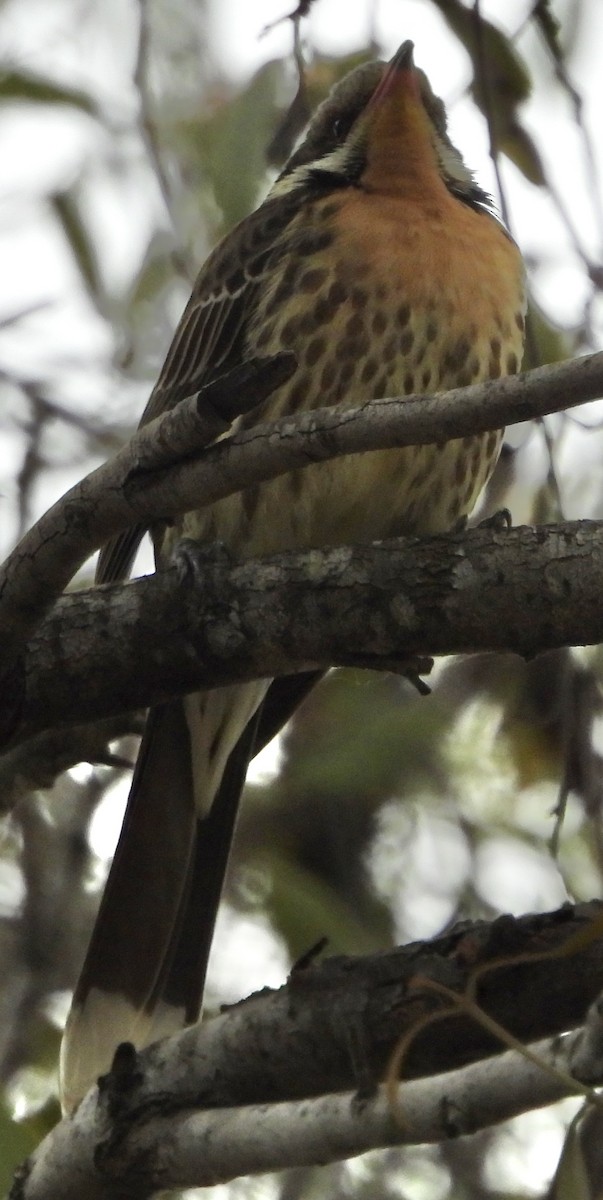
<point x="282" y="699"/>
<point x="141" y="907"/>
<point x="182" y="992"/>
<point x="178" y="1002"/>
<point x="144" y="972"/>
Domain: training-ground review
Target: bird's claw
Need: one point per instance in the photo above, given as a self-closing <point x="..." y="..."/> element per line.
<point x="498" y="521"/>
<point x="200" y="558"/>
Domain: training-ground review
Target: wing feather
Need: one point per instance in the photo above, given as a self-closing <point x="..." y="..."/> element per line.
<point x="211" y="334"/>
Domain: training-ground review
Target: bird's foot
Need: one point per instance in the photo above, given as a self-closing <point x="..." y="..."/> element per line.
<point x="499" y="521"/>
<point x="200" y="559"/>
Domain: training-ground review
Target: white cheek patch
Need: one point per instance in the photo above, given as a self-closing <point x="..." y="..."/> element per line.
<point x="451" y="163"/>
<point x="337" y="163"/>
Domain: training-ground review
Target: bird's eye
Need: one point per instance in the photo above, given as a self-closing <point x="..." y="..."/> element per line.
<point x="338" y="127"/>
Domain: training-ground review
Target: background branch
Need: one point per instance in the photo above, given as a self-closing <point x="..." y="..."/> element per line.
<point x="47" y="557"/>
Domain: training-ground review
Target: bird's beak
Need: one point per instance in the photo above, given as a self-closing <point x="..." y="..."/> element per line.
<point x="400" y="69"/>
<point x="403" y="59"/>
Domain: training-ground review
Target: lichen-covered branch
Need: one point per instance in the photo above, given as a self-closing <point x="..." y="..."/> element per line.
<point x="275" y="1081"/>
<point x="108" y="650"/>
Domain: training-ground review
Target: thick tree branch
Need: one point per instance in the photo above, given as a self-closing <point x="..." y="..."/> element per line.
<point x="138" y="488"/>
<point x="195" y="1148"/>
<point x="112" y="649"/>
<point x="51" y="552"/>
<point x="255" y="1089"/>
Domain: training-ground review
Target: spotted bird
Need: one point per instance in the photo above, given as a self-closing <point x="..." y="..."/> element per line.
<point x="377" y="260"/>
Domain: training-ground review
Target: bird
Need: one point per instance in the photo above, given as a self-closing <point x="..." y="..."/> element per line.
<point x="379" y="263"/>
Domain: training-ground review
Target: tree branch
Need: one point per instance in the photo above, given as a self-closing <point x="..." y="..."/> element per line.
<point x="112" y="649"/>
<point x="137" y="487"/>
<point x="201" y="1148"/>
<point x="39" y="761"/>
<point x="255" y="1089"/>
<point x="46" y="559"/>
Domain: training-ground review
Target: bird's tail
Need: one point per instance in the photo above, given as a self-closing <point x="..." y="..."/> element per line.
<point x="144" y="972"/>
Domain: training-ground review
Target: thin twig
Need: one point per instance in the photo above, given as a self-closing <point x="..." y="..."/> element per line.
<point x="151" y="139"/>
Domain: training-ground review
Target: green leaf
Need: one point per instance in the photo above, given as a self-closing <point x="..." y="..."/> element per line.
<point x="19" y="1138"/>
<point x="501" y="82"/>
<point x="157" y="271"/>
<point x="67" y="210"/>
<point x="508" y="79"/>
<point x="519" y="146"/>
<point x="230" y="143"/>
<point x="304" y="907"/>
<point x="24" y="85"/>
<point x="545" y="341"/>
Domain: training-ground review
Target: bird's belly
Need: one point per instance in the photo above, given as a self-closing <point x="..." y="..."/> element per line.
<point x="396" y="322"/>
<point x="359" y="498"/>
<point x="386" y="493"/>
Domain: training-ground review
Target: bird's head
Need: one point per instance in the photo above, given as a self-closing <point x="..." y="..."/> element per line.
<point x="381" y="129"/>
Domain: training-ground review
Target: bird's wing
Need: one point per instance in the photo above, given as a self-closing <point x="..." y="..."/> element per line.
<point x="210" y="337"/>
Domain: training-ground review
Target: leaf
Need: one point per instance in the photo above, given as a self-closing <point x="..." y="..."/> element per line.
<point x="19" y="1138"/>
<point x="501" y="82"/>
<point x="67" y="211"/>
<point x="545" y="341"/>
<point x="519" y="146"/>
<point x="230" y="144"/>
<point x="304" y="907"/>
<point x="156" y="272"/>
<point x="24" y="85"/>
<point x="508" y="79"/>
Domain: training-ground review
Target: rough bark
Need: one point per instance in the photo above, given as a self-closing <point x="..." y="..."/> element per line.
<point x="292" y="1076"/>
<point x="108" y="650"/>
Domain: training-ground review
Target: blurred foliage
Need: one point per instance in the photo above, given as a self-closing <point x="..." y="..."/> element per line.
<point x="18" y="1138"/>
<point x="545" y="342"/>
<point x="237" y="131"/>
<point x="24" y="86"/>
<point x="69" y="214"/>
<point x="390" y="816"/>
